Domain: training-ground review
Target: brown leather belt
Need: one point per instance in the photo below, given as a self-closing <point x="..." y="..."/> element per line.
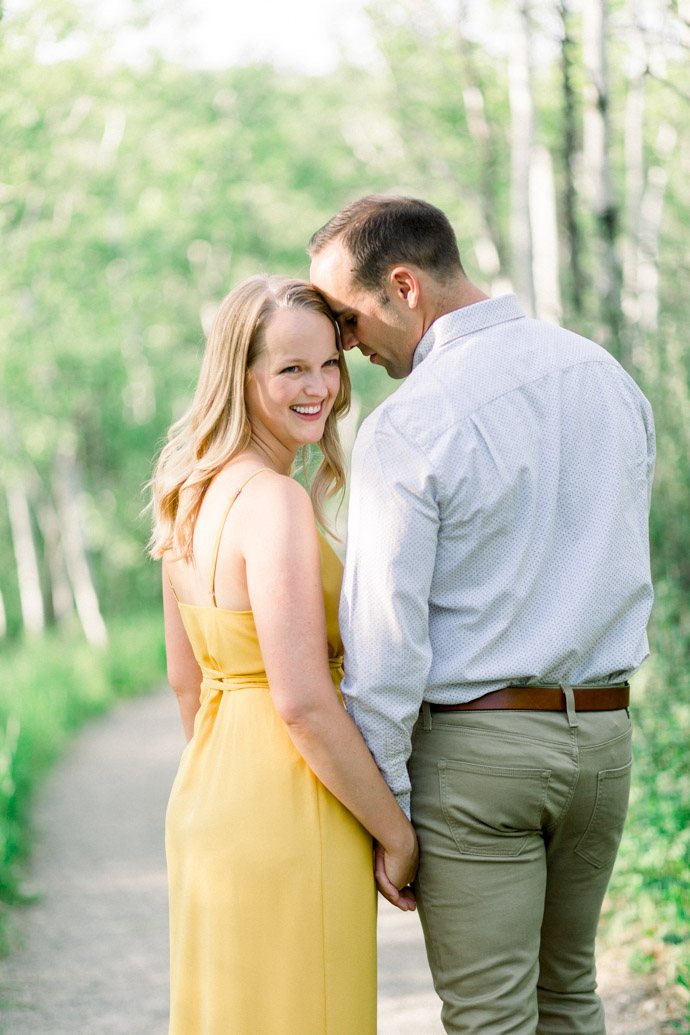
<point x="545" y="698"/>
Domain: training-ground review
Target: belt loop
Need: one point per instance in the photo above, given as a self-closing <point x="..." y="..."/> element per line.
<point x="570" y="704"/>
<point x="426" y="716"/>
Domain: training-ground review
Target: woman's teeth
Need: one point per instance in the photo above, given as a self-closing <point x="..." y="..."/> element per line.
<point x="307" y="409"/>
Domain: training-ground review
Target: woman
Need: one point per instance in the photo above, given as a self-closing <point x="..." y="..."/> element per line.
<point x="270" y="820"/>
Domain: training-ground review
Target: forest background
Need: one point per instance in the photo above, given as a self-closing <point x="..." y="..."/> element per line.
<point x="133" y="196"/>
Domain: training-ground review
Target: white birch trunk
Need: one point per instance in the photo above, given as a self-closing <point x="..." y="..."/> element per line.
<point x="26" y="559"/>
<point x="60" y="589"/>
<point x="573" y="238"/>
<point x="489" y="246"/>
<point x="544" y="226"/>
<point x="634" y="165"/>
<point x="522" y="131"/>
<point x="597" y="166"/>
<point x="651" y="212"/>
<point x="74" y="549"/>
<point x="486" y="246"/>
<point x="595" y="116"/>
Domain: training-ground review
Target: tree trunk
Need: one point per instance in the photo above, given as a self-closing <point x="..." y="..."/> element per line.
<point x="598" y="174"/>
<point x="570" y="151"/>
<point x="522" y="131"/>
<point x="490" y="247"/>
<point x="544" y="226"/>
<point x="651" y="211"/>
<point x="74" y="548"/>
<point x="26" y="559"/>
<point x="60" y="590"/>
<point x="487" y="247"/>
<point x="634" y="166"/>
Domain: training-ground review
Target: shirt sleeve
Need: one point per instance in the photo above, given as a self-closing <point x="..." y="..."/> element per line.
<point x="393" y="523"/>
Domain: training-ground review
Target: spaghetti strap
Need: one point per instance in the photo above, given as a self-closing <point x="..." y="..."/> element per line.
<point x="171" y="585"/>
<point x="216" y="546"/>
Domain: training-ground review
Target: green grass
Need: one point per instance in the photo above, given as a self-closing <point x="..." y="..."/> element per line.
<point x="649" y="897"/>
<point x="49" y="687"/>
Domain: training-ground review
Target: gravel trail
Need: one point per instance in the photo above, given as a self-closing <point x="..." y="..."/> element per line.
<point x="91" y="955"/>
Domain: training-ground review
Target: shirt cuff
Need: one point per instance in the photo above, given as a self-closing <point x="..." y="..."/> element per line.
<point x="403" y="800"/>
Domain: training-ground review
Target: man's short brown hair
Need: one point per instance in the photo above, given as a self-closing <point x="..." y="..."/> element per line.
<point x="381" y="231"/>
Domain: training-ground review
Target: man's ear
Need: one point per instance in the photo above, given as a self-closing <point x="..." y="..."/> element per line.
<point x="405" y="285"/>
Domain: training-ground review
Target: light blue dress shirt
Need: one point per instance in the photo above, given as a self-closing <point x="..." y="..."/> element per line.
<point x="497" y="525"/>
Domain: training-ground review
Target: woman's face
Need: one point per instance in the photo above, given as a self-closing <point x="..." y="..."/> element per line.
<point x="293" y="384"/>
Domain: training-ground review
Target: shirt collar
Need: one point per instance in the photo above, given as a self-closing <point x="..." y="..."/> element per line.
<point x="461" y="322"/>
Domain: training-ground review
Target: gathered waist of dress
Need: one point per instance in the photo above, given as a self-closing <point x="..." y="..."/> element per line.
<point x="214" y="680"/>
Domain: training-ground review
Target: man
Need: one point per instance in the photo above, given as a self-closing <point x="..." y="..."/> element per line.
<point x="495" y="600"/>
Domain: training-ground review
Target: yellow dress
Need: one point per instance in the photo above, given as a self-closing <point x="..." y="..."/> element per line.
<point x="272" y="895"/>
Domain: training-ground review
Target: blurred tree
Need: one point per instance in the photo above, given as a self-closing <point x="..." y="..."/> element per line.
<point x="597" y="154"/>
<point x="520" y="76"/>
<point x="133" y="198"/>
<point x="570" y="137"/>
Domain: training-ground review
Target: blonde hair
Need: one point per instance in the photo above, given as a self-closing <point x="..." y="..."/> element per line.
<point x="216" y="427"/>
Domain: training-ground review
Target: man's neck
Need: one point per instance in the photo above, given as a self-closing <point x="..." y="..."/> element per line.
<point x="446" y="298"/>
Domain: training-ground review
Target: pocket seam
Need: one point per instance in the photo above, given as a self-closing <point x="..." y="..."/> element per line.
<point x="544" y="776"/>
<point x="603" y="777"/>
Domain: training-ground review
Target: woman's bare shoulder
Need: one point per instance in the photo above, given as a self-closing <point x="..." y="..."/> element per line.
<point x="275" y="502"/>
<point x="260" y="501"/>
<point x="272" y="484"/>
<point x="251" y="485"/>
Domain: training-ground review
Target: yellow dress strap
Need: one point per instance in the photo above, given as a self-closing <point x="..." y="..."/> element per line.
<point x="171" y="586"/>
<point x="216" y="547"/>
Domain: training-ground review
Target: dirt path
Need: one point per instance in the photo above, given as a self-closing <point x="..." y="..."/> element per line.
<point x="92" y="953"/>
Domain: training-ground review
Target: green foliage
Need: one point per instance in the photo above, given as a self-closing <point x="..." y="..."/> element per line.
<point x="132" y="203"/>
<point x="651" y="884"/>
<point x="656" y="857"/>
<point x="48" y="689"/>
<point x="133" y="198"/>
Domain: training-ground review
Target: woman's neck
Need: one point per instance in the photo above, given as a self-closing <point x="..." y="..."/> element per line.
<point x="271" y="454"/>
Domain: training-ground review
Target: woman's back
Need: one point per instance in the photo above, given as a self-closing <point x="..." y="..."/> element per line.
<point x="217" y="562"/>
<point x="271" y="891"/>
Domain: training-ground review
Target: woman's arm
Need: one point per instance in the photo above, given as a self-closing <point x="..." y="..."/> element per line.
<point x="184" y="674"/>
<point x="284" y="582"/>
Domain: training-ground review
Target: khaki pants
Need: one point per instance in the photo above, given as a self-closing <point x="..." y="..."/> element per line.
<point x="519" y="815"/>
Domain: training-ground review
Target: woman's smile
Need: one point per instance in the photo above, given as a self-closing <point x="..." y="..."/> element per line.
<point x="310" y="411"/>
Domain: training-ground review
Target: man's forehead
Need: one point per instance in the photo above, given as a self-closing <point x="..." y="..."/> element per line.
<point x="331" y="269"/>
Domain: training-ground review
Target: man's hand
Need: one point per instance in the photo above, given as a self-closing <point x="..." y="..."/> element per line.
<point x="391" y="871"/>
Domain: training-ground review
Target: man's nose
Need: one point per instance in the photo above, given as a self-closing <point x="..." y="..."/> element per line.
<point x="349" y="339"/>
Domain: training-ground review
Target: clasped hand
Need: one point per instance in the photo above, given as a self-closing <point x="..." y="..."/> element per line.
<point x="394" y="872"/>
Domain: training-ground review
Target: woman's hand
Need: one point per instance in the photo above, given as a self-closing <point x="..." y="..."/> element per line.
<point x="395" y="868"/>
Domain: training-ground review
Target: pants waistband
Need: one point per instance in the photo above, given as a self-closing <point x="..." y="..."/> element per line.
<point x="546" y="698"/>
